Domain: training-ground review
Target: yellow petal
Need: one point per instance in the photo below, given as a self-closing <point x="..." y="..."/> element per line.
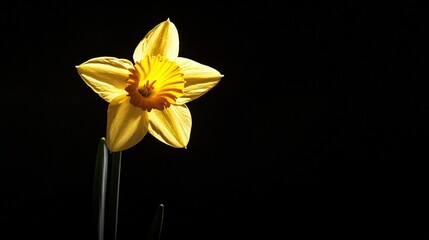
<point x="163" y="39"/>
<point x="126" y="125"/>
<point x="199" y="79"/>
<point x="106" y="76"/>
<point x="172" y="125"/>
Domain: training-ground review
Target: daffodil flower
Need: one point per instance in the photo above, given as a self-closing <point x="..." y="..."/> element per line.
<point x="149" y="95"/>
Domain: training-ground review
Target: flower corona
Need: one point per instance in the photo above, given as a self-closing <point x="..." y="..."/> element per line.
<point x="155" y="83"/>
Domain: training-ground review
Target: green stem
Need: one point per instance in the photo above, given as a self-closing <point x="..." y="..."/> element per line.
<point x="112" y="214"/>
<point x="99" y="187"/>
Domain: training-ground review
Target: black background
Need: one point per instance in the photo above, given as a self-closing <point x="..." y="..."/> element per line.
<point x="321" y="109"/>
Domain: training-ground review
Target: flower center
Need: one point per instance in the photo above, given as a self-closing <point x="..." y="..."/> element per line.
<point x="155" y="83"/>
<point x="146" y="89"/>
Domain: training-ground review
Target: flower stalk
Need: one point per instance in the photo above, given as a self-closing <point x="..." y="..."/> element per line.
<point x="113" y="201"/>
<point x="99" y="188"/>
<point x="106" y="184"/>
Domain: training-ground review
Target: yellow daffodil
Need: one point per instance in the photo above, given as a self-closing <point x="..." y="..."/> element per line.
<point x="151" y="94"/>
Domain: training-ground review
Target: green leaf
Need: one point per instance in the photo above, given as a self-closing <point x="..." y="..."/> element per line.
<point x="156" y="226"/>
<point x="99" y="187"/>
